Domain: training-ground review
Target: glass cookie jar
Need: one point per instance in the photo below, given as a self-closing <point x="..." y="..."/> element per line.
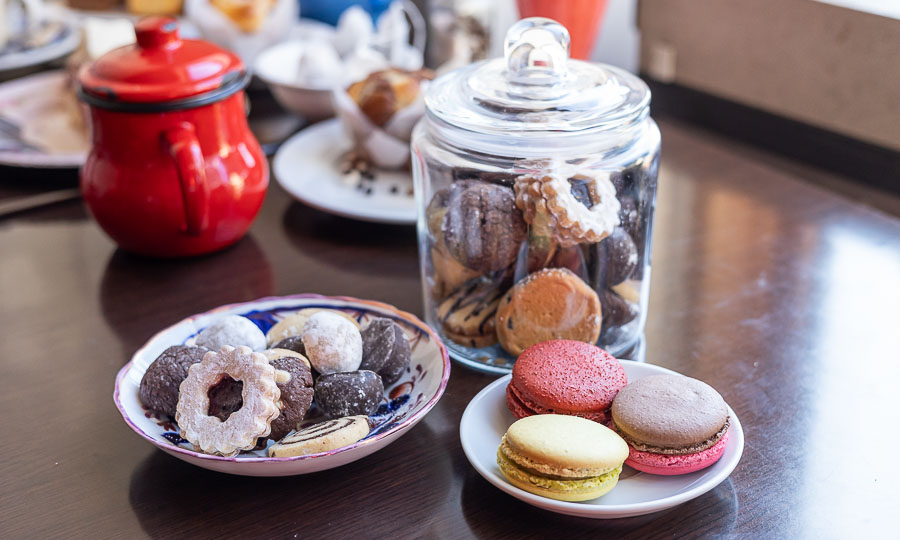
<point x="535" y="179"/>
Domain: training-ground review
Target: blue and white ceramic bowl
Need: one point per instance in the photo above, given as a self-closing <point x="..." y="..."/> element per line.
<point x="405" y="403"/>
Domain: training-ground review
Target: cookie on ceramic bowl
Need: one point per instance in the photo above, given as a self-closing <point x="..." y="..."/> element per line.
<point x="226" y="396"/>
<point x="404" y="403"/>
<point x="292" y="326"/>
<point x="332" y="343"/>
<point x="159" y="385"/>
<point x="233" y="330"/>
<point x="275" y="353"/>
<point x="323" y="437"/>
<point x="350" y="393"/>
<point x="239" y="430"/>
<point x="385" y="350"/>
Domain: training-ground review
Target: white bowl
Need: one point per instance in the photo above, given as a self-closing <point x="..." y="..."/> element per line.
<point x="278" y="66"/>
<point x="406" y="401"/>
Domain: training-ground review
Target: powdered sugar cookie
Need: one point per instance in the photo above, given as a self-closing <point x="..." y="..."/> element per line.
<point x="233" y="330"/>
<point x="292" y="325"/>
<point x="332" y="343"/>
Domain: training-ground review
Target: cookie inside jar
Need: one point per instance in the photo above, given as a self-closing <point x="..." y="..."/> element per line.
<point x="536" y="178"/>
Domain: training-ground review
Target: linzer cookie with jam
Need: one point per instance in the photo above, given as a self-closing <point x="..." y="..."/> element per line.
<point x="572" y="210"/>
<point x="226" y="396"/>
<point x="251" y="421"/>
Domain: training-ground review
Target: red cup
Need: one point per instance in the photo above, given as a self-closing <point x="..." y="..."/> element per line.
<point x="581" y="17"/>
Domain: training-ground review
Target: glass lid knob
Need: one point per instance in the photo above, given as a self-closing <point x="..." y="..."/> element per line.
<point x="537" y="53"/>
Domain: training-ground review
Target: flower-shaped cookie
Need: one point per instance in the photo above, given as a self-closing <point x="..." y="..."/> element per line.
<point x="242" y="428"/>
<point x="572" y="210"/>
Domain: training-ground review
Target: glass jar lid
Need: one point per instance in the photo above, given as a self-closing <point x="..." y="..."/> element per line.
<point x="537" y="90"/>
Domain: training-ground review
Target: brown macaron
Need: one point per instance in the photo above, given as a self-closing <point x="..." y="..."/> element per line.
<point x="670" y="414"/>
<point x="673" y="424"/>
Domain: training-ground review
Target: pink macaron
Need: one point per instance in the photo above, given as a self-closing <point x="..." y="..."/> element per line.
<point x="673" y="424"/>
<point x="565" y="377"/>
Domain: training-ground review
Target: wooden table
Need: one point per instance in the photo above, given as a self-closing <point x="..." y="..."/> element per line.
<point x="782" y="295"/>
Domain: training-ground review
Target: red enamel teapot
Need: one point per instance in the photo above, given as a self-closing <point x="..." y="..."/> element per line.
<point x="173" y="169"/>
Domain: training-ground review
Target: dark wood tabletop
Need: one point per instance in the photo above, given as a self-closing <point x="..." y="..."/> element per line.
<point x="782" y="295"/>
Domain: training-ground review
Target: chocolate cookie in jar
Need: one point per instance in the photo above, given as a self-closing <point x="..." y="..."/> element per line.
<point x="535" y="177"/>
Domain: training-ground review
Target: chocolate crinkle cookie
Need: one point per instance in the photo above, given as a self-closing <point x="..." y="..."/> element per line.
<point x="616" y="310"/>
<point x="483" y="228"/>
<point x="225" y="397"/>
<point x="621" y="256"/>
<point x="296" y="396"/>
<point x="349" y="393"/>
<point x="293" y="343"/>
<point x="386" y="349"/>
<point x="159" y="386"/>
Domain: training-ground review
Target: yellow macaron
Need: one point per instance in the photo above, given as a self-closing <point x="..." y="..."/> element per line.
<point x="562" y="457"/>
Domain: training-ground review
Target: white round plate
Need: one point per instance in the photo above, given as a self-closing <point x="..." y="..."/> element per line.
<point x="406" y="401"/>
<point x="35" y="101"/>
<point x="486" y="419"/>
<point x="308" y="167"/>
<point x="66" y="43"/>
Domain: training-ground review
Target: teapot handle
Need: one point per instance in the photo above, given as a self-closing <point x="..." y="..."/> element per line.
<point x="181" y="142"/>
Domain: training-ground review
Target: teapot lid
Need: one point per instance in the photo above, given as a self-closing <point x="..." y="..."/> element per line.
<point x="537" y="90"/>
<point x="161" y="71"/>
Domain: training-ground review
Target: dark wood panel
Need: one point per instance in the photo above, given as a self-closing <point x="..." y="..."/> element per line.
<point x="780" y="294"/>
<point x="874" y="165"/>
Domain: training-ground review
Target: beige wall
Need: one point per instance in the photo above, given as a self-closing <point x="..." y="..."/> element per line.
<point x="828" y="66"/>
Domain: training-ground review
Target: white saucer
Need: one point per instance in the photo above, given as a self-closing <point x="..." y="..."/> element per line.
<point x="66" y="43"/>
<point x="308" y="166"/>
<point x="486" y="419"/>
<point x="36" y="104"/>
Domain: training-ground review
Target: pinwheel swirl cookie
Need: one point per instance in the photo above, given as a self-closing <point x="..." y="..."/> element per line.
<point x="243" y="427"/>
<point x="572" y="210"/>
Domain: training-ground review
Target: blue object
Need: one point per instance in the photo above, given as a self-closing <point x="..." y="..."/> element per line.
<point x="329" y="11"/>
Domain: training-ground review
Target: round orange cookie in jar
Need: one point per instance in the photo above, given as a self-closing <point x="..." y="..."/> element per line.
<point x="552" y="303"/>
<point x="535" y="178"/>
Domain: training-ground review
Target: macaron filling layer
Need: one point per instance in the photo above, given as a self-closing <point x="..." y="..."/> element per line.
<point x="664" y="464"/>
<point x="556" y="471"/>
<point x="673" y="451"/>
<point x="531" y="407"/>
<point x="555" y="483"/>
